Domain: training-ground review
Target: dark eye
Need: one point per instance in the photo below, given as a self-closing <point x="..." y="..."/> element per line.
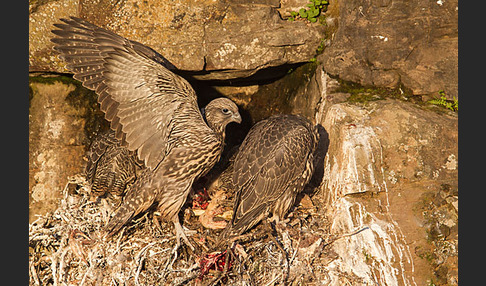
<point x="225" y="110"/>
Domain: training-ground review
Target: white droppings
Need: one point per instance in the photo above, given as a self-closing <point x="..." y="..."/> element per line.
<point x="55" y="128"/>
<point x="451" y="163"/>
<point x="435" y="174"/>
<point x="383" y="38"/>
<point x="226" y="49"/>
<point x="379" y="254"/>
<point x="392" y="177"/>
<point x="371" y="253"/>
<point x="357" y="147"/>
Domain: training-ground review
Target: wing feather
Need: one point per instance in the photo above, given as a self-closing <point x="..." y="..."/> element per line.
<point x="272" y="156"/>
<point x="136" y="89"/>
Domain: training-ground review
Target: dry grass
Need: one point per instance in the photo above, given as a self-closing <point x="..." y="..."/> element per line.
<point x="67" y="248"/>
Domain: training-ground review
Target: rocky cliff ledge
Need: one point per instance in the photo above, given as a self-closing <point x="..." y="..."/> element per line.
<point x="382" y="208"/>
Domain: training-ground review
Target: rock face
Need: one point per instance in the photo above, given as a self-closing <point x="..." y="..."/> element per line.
<point x="390" y="173"/>
<point x="382" y="161"/>
<point x="385" y="43"/>
<point x="380" y="43"/>
<point x="62" y="116"/>
<point x="216" y="39"/>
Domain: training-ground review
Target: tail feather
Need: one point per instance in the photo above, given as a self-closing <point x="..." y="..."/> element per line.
<point x="224" y="238"/>
<point x="237" y="227"/>
<point x="136" y="201"/>
<point x="122" y="215"/>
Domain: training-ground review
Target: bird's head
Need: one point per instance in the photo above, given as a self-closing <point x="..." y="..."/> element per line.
<point x="221" y="111"/>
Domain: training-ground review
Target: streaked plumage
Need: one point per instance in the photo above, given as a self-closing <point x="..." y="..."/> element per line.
<point x="273" y="164"/>
<point x="110" y="167"/>
<point x="154" y="113"/>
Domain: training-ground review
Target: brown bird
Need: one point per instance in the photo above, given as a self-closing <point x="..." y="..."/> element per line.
<point x="273" y="164"/>
<point x="153" y="111"/>
<point x="111" y="167"/>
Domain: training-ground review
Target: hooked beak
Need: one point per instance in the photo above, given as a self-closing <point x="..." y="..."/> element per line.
<point x="236" y="118"/>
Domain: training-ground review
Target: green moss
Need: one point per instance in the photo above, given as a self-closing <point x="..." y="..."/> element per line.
<point x="427" y="256"/>
<point x="367" y="256"/>
<point x="313" y="13"/>
<point x="314" y="10"/>
<point x="80" y="98"/>
<point x="51" y="79"/>
<point x="360" y="94"/>
<point x="322" y="45"/>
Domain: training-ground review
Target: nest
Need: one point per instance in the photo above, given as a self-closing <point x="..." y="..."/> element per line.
<point x="66" y="247"/>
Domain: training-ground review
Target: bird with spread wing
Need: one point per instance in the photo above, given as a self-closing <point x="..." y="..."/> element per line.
<point x="153" y="111"/>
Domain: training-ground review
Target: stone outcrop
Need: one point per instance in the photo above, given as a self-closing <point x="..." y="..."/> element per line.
<point x="379" y="43"/>
<point x="384" y="160"/>
<point x="390" y="174"/>
<point x="385" y="43"/>
<point x="217" y="40"/>
<point x="63" y="117"/>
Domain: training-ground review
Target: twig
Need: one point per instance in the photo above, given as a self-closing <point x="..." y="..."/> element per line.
<point x="40" y="237"/>
<point x="139" y="268"/>
<point x="144" y="249"/>
<point x="33" y="274"/>
<point x="310" y="269"/>
<point x="141" y="258"/>
<point x="202" y="244"/>
<point x="215" y="280"/>
<point x="168" y="265"/>
<point x="296" y="250"/>
<point x="223" y="273"/>
<point x="61" y="264"/>
<point x="90" y="268"/>
<point x="282" y="250"/>
<point x="243" y="237"/>
<point x="187" y="279"/>
<point x="85" y="275"/>
<point x="54" y="257"/>
<point x="274" y="279"/>
<point x="346" y="235"/>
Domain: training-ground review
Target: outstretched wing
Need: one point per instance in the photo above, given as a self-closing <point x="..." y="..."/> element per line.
<point x="140" y="96"/>
<point x="272" y="156"/>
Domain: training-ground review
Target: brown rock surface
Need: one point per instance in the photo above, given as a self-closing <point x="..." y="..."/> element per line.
<point x="217" y="39"/>
<point x="390" y="171"/>
<point x="384" y="43"/>
<point x="62" y="116"/>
